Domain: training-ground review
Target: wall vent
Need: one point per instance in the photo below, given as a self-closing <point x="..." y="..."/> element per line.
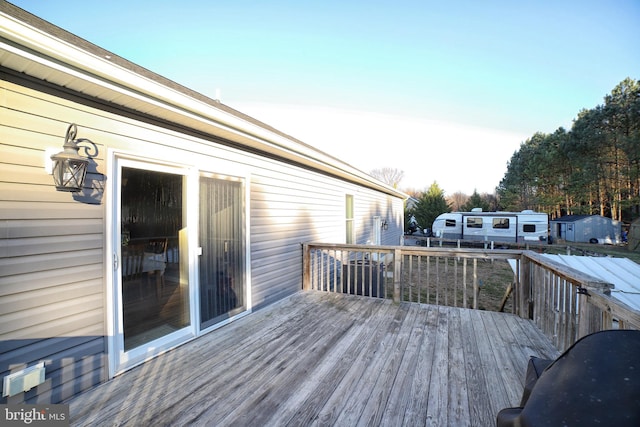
<point x="23" y="380"/>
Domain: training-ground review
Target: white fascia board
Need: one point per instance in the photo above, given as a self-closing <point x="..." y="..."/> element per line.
<point x="69" y="59"/>
<point x="111" y="76"/>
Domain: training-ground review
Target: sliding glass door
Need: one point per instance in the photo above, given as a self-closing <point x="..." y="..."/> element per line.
<point x="154" y="277"/>
<point x="179" y="249"/>
<point x="221" y="235"/>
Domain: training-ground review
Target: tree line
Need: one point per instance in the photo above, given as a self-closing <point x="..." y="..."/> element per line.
<point x="594" y="168"/>
<point x="426" y="205"/>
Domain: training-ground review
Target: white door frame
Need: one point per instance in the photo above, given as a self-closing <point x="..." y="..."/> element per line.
<point x="119" y="359"/>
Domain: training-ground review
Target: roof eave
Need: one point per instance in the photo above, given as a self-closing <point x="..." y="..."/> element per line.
<point x="116" y="82"/>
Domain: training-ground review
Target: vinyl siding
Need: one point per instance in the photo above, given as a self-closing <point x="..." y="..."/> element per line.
<point x="52" y="261"/>
<point x="51" y="264"/>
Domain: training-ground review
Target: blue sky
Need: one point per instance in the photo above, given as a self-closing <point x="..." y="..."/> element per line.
<point x="445" y="91"/>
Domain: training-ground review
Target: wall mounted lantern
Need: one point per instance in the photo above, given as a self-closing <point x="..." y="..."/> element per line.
<point x="69" y="168"/>
<point x="384" y="225"/>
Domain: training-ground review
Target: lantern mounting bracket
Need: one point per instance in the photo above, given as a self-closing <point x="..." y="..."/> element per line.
<point x="69" y="168"/>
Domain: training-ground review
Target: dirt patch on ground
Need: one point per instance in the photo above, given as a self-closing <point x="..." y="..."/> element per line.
<point x="444" y="281"/>
<point x="454" y="281"/>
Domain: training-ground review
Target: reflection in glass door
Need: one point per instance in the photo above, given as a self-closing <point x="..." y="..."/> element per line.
<point x="155" y="296"/>
<point x="222" y="287"/>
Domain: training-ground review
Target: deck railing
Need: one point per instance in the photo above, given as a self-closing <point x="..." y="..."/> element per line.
<point x="563" y="302"/>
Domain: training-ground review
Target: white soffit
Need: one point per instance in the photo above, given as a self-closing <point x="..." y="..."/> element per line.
<point x="31" y="51"/>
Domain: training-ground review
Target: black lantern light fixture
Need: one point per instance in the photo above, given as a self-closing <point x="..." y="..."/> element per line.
<point x="69" y="168"/>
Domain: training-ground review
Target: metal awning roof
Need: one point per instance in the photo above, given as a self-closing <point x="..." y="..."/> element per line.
<point x="623" y="273"/>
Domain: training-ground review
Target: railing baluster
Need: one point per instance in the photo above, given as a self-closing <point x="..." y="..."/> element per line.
<point x="549" y="293"/>
<point x="445" y="291"/>
<point x="428" y="284"/>
<point x="397" y="275"/>
<point x="455" y="281"/>
<point x="475" y="284"/>
<point x="465" y="303"/>
<point x="437" y="293"/>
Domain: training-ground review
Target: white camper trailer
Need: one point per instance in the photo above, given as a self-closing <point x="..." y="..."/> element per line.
<point x="516" y="227"/>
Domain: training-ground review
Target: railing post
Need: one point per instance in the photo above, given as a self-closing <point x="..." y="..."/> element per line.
<point x="592" y="318"/>
<point x="524" y="288"/>
<point x="476" y="289"/>
<point x="397" y="274"/>
<point x="584" y="316"/>
<point x="306" y="267"/>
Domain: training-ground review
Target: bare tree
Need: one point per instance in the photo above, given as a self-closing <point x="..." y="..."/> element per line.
<point x="413" y="192"/>
<point x="457" y="200"/>
<point x="390" y="176"/>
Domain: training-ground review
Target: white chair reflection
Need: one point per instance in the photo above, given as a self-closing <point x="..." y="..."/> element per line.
<point x="155" y="262"/>
<point x="141" y="262"/>
<point x="132" y="268"/>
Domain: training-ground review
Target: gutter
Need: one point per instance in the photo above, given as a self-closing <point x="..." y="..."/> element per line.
<point x="38" y="41"/>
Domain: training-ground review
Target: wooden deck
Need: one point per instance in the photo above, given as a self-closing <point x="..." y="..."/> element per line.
<point x="330" y="359"/>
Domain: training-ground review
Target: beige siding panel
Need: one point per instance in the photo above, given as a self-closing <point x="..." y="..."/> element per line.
<point x="22" y="129"/>
<point x="51" y="254"/>
<point x="47" y="349"/>
<point x="266" y="207"/>
<point x="286" y="269"/>
<point x="37" y="280"/>
<point x="264" y="251"/>
<point x="18" y="192"/>
<point x="106" y="129"/>
<point x="15" y="174"/>
<point x="289" y="205"/>
<point x="19" y="126"/>
<point x="48" y="294"/>
<point x="23" y="228"/>
<point x="262" y="221"/>
<point x="290" y="230"/>
<point x="283" y="200"/>
<point x="52" y="244"/>
<point x="44" y="210"/>
<point x="73" y="364"/>
<point x="62" y="318"/>
<point x="267" y="262"/>
<point x="20" y="155"/>
<point x="323" y="189"/>
<point x="82" y="366"/>
<point x="54" y="113"/>
<point x="33" y="145"/>
<point x="265" y="248"/>
<point x="48" y="262"/>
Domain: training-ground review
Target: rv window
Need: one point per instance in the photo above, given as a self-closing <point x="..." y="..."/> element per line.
<point x="450" y="223"/>
<point x="474" y="222"/>
<point x="529" y="228"/>
<point x="501" y="223"/>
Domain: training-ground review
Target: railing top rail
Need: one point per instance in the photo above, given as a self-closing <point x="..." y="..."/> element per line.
<point x="598" y="290"/>
<point x="421" y="250"/>
<point x="362" y="248"/>
<point x="569" y="273"/>
<point x="617" y="309"/>
<point x="465" y="253"/>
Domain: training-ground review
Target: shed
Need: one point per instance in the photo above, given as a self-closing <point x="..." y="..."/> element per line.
<point x="192" y="213"/>
<point x="633" y="238"/>
<point x="586" y="229"/>
<point x="411" y="203"/>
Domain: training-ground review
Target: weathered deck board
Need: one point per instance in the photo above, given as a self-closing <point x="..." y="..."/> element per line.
<point x="329" y="359"/>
